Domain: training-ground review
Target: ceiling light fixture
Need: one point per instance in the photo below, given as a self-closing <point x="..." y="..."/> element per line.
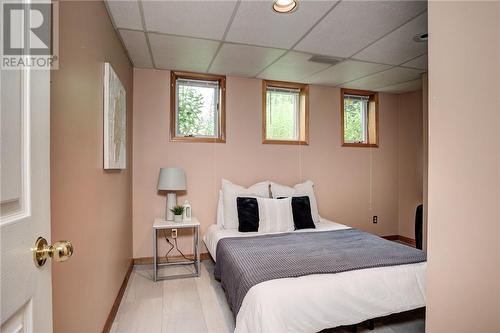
<point x="285" y="6"/>
<point x="423" y="37"/>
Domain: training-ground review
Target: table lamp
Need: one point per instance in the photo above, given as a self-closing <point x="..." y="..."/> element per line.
<point x="171" y="180"/>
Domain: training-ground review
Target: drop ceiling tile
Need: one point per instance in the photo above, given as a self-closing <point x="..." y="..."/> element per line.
<point x="403" y="87"/>
<point x="182" y="53"/>
<point x="137" y="48"/>
<point x="204" y="19"/>
<point x="420" y="62"/>
<point x="386" y="78"/>
<point x="243" y="60"/>
<point x="345" y="71"/>
<point x="293" y="66"/>
<point x="125" y="14"/>
<point x="256" y="23"/>
<point x="398" y="46"/>
<point x="353" y="25"/>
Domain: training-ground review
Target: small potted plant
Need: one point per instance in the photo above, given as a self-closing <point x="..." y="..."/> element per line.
<point x="177" y="210"/>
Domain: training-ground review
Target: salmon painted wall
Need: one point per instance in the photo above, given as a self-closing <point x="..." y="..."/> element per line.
<point x="90" y="207"/>
<point x="425" y="151"/>
<point x="352" y="184"/>
<point x="410" y="189"/>
<point x="463" y="276"/>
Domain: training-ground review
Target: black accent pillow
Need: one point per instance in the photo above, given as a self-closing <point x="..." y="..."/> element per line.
<point x="302" y="216"/>
<point x="248" y="214"/>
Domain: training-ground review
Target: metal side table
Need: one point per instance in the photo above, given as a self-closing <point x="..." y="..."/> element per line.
<point x="161" y="224"/>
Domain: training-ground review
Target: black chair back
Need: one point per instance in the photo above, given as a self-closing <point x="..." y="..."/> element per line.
<point x="419" y="225"/>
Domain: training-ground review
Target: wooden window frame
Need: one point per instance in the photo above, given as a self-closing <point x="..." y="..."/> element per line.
<point x="373" y="95"/>
<point x="221" y="79"/>
<point x="303" y="116"/>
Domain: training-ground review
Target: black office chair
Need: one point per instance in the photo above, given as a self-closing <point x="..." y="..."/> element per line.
<point x="419" y="226"/>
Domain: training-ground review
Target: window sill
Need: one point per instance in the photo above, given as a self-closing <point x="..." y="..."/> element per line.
<point x="285" y="142"/>
<point x="360" y="145"/>
<point x="196" y="139"/>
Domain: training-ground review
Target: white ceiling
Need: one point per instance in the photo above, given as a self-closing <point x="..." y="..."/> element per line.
<point x="372" y="39"/>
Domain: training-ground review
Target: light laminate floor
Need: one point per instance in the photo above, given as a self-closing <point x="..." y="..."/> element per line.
<point x="199" y="305"/>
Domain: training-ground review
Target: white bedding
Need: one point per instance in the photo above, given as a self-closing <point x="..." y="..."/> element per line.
<point x="315" y="302"/>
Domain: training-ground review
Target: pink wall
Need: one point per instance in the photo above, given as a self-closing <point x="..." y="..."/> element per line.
<point x="425" y="151"/>
<point x="352" y="184"/>
<point x="410" y="141"/>
<point x="90" y="207"/>
<point x="463" y="274"/>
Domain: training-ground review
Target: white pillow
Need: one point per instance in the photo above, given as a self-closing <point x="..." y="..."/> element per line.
<point x="299" y="190"/>
<point x="220" y="212"/>
<point x="232" y="191"/>
<point x="275" y="215"/>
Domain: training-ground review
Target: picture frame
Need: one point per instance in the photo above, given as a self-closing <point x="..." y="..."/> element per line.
<point x="115" y="121"/>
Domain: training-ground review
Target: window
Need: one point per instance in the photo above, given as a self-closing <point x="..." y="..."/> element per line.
<point x="359" y="117"/>
<point x="197" y="104"/>
<point x="285" y="113"/>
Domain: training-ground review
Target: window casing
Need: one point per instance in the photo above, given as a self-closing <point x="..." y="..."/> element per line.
<point x="359" y="118"/>
<point x="285" y="113"/>
<point x="197" y="106"/>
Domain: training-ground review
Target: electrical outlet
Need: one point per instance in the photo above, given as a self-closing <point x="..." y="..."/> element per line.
<point x="174" y="233"/>
<point x="375" y="219"/>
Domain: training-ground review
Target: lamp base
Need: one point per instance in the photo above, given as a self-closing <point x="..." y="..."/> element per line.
<point x="171" y="203"/>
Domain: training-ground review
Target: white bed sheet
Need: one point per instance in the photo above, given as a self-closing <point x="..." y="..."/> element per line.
<point x="315" y="302"/>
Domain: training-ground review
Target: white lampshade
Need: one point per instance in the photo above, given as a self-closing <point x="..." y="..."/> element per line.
<point x="172" y="179"/>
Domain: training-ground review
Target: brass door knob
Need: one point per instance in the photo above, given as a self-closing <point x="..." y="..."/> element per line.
<point x="59" y="251"/>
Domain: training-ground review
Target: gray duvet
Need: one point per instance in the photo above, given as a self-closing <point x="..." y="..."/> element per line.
<point x="243" y="262"/>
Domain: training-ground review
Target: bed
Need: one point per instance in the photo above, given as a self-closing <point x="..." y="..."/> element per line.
<point x="314" y="302"/>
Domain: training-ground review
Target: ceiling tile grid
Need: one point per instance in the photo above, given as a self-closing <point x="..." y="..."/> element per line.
<point x="182" y="53"/>
<point x="293" y="66"/>
<point x="247" y="38"/>
<point x="125" y="14"/>
<point x="420" y="62"/>
<point x="353" y="25"/>
<point x="243" y="60"/>
<point x="398" y="46"/>
<point x="346" y="71"/>
<point x="386" y="78"/>
<point x="137" y="47"/>
<point x="202" y="19"/>
<point x="256" y="23"/>
<point x="403" y="87"/>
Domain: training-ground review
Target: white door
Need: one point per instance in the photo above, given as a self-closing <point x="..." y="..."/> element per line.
<point x="26" y="295"/>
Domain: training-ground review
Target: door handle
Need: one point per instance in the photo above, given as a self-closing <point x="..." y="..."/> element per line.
<point x="59" y="251"/>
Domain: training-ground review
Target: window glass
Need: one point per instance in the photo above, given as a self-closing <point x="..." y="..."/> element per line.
<point x="197" y="108"/>
<point x="359" y="116"/>
<point x="285" y="113"/>
<point x="355" y="119"/>
<point x="282" y="116"/>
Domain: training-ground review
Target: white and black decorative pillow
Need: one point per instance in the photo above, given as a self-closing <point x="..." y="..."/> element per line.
<point x="304" y="189"/>
<point x="275" y="215"/>
<point x="301" y="209"/>
<point x="230" y="192"/>
<point x="248" y="214"/>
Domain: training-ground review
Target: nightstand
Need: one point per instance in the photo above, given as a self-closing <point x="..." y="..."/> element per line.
<point x="161" y="224"/>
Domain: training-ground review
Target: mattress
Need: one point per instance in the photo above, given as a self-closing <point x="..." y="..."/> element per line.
<point x="315" y="302"/>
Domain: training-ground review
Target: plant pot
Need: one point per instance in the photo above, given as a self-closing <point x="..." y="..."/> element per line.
<point x="177" y="218"/>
